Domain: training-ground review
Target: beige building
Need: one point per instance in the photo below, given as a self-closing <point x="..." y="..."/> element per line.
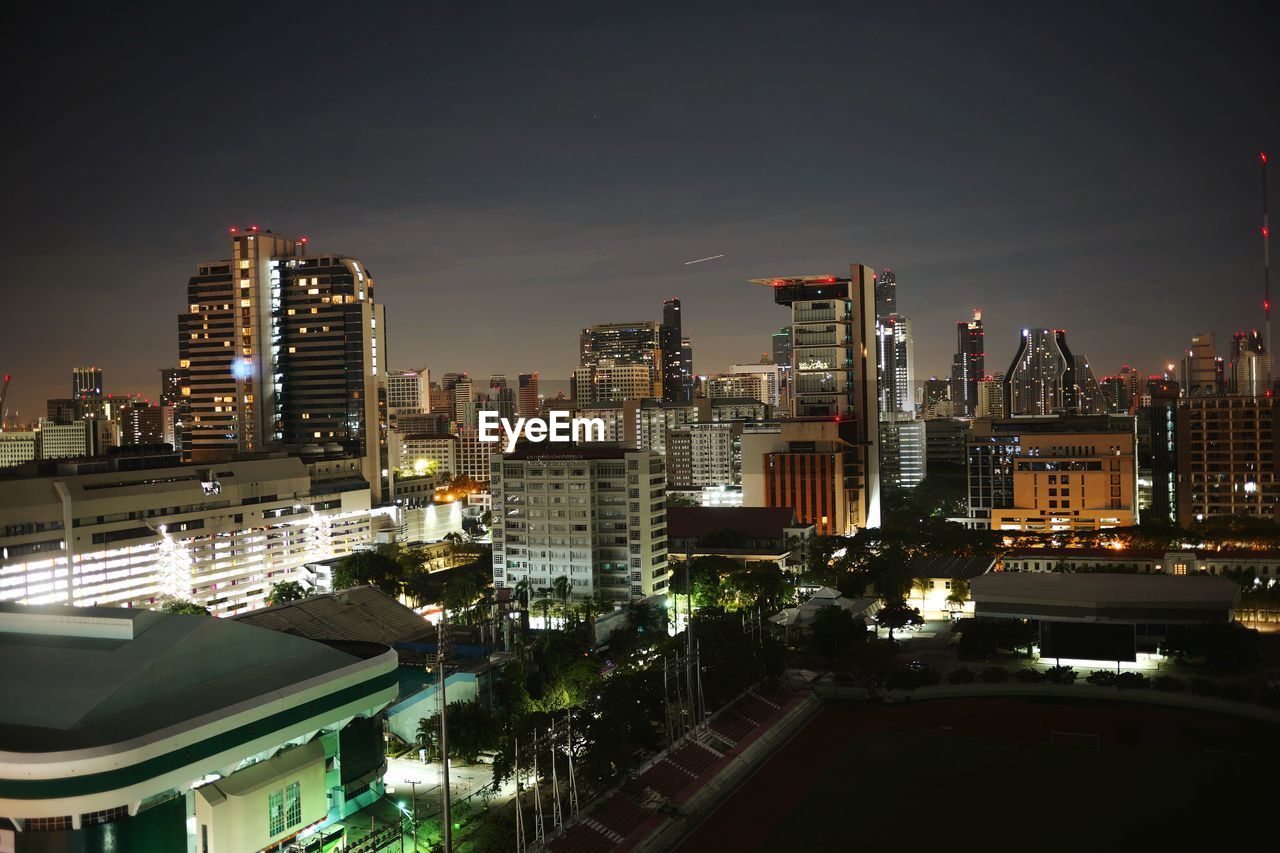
<point x="218" y="535"/>
<point x="1053" y="473"/>
<point x="1227" y="463"/>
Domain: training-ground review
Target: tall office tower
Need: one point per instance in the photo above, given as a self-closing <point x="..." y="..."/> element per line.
<point x="1133" y="384"/>
<point x="1090" y="399"/>
<point x="990" y="398"/>
<point x="1057" y="473"/>
<point x="886" y="294"/>
<point x="281" y="349"/>
<point x="1200" y="368"/>
<point x="1251" y="368"/>
<point x="902" y="451"/>
<point x="936" y="392"/>
<point x="464" y="403"/>
<point x="968" y="365"/>
<point x="502" y="401"/>
<point x="671" y="338"/>
<point x="686" y="369"/>
<point x="612" y="507"/>
<point x="619" y="344"/>
<point x="1115" y="393"/>
<point x="610" y="382"/>
<point x="781" y="349"/>
<point x="441" y="401"/>
<point x="497" y="381"/>
<point x="86" y="382"/>
<point x="171" y="382"/>
<point x="1226" y="461"/>
<point x="833" y="361"/>
<point x="408" y="391"/>
<point x="528" y="404"/>
<point x="1041" y="379"/>
<point x="896" y="364"/>
<point x="141" y="423"/>
<point x="1158" y="460"/>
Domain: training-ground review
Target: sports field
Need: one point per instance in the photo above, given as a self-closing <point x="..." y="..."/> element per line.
<point x="990" y="773"/>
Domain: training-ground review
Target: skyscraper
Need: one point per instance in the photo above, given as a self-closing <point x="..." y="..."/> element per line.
<point x="619" y="348"/>
<point x="528" y="404"/>
<point x="686" y="369"/>
<point x="834" y="370"/>
<point x="968" y="365"/>
<point x="671" y="340"/>
<point x="897" y="365"/>
<point x="1041" y="379"/>
<point x="1200" y="368"/>
<point x="171" y="382"/>
<point x="886" y="294"/>
<point x="408" y="392"/>
<point x="781" y="349"/>
<point x="1251" y="368"/>
<point x="86" y="382"/>
<point x="282" y="349"/>
<point x="1089" y="396"/>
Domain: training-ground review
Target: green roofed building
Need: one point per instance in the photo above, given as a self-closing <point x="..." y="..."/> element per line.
<point x="131" y="730"/>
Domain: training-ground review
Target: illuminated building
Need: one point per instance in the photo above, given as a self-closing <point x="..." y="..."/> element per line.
<point x="129" y="730"/>
<point x="142" y="423"/>
<point x="774" y="377"/>
<point x="781" y="350"/>
<point x="219" y="535"/>
<point x="1158" y="452"/>
<point x="834" y="379"/>
<point x="750" y="385"/>
<point x="1053" y="473"/>
<point x="594" y="515"/>
<point x="1226" y="458"/>
<point x="677" y="377"/>
<point x="408" y="392"/>
<point x="896" y="363"/>
<point x="990" y="398"/>
<point x="1041" y="379"/>
<point x="608" y="357"/>
<point x="86" y="382"/>
<point x="422" y="454"/>
<point x="1200" y="368"/>
<point x="968" y="365"/>
<point x="704" y="454"/>
<point x="281" y="348"/>
<point x="1251" y="368"/>
<point x="902" y="451"/>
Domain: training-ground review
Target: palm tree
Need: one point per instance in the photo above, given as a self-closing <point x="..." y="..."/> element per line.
<point x="562" y="587"/>
<point x="522" y="589"/>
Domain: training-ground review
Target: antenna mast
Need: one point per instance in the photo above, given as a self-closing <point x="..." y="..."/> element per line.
<point x="1266" y="254"/>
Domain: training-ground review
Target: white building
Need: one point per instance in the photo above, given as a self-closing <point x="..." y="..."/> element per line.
<point x="218" y="535"/>
<point x="770" y="374"/>
<point x="594" y="515"/>
<point x="419" y="454"/>
<point x="408" y="392"/>
<point x="704" y="454"/>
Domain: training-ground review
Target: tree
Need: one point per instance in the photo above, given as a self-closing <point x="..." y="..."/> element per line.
<point x="459" y="594"/>
<point x="379" y="567"/>
<point x="896" y="615"/>
<point x="562" y="587"/>
<point x="285" y="592"/>
<point x="473" y="729"/>
<point x="675" y="499"/>
<point x="182" y="607"/>
<point x="833" y="629"/>
<point x="959" y="594"/>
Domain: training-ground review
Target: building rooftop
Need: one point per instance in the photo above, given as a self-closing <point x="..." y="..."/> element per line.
<point x="1133" y="590"/>
<point x="947" y="566"/>
<point x="695" y="522"/>
<point x="528" y="451"/>
<point x="363" y="613"/>
<point x="93" y="676"/>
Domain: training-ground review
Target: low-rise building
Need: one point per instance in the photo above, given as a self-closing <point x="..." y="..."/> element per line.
<point x="744" y="534"/>
<point x="133" y="730"/>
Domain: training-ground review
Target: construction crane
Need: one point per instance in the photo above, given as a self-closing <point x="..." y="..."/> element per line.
<point x="4" y="393"/>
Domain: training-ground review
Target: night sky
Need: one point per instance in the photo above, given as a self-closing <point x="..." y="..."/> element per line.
<point x="512" y="172"/>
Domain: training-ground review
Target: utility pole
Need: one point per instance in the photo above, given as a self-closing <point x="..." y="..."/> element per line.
<point x="441" y="639"/>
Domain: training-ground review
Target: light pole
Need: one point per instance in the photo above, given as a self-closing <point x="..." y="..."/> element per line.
<point x="413" y="786"/>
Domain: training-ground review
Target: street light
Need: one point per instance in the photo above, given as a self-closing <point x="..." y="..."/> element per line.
<point x="413" y="785"/>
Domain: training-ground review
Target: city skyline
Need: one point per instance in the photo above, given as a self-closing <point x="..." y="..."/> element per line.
<point x="1087" y="182"/>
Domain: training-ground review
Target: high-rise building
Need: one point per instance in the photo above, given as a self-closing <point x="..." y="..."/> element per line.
<point x="781" y="349"/>
<point x="704" y="454"/>
<point x="990" y="398"/>
<point x="607" y="381"/>
<point x="1158" y="460"/>
<point x="686" y="368"/>
<point x="281" y="348"/>
<point x="465" y="412"/>
<point x="619" y="345"/>
<point x="86" y="382"/>
<point x="886" y="294"/>
<point x="1200" y="368"/>
<point x="1251" y="367"/>
<point x="528" y="404"/>
<point x="752" y="385"/>
<point x="772" y="376"/>
<point x="1227" y="464"/>
<point x="968" y="365"/>
<point x="902" y="451"/>
<point x="671" y="337"/>
<point x="1056" y="473"/>
<point x="408" y="392"/>
<point x="613" y="507"/>
<point x="171" y="382"/>
<point x="1041" y="379"/>
<point x="142" y="423"/>
<point x="897" y="366"/>
<point x="1089" y="396"/>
